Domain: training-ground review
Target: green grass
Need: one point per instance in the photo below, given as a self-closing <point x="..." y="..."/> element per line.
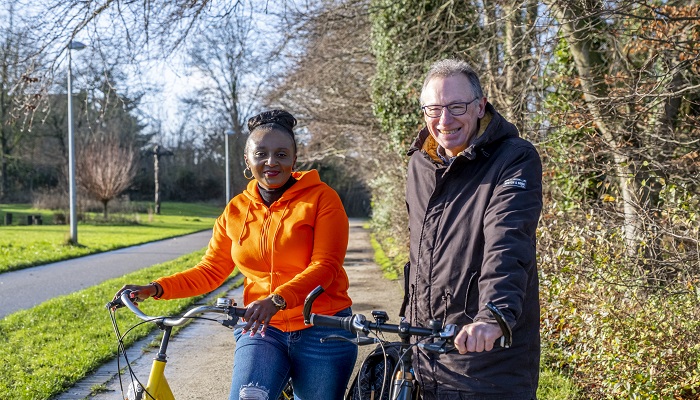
<point x="23" y="246"/>
<point x="389" y="268"/>
<point x="556" y="386"/>
<point x="46" y="349"/>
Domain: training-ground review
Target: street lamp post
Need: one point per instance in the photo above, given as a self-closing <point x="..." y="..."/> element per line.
<point x="72" y="45"/>
<point x="228" y="133"/>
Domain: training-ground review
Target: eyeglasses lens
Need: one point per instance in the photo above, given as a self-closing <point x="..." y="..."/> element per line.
<point x="436" y="111"/>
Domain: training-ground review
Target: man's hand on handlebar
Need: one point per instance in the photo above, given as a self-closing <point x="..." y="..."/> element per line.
<point x="477" y="337"/>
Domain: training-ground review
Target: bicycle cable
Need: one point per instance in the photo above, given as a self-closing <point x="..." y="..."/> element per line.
<point x="121" y="348"/>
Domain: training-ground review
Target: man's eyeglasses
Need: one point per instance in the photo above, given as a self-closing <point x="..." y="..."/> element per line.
<point x="456" y="109"/>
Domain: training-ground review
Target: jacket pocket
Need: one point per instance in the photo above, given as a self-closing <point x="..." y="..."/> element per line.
<point x="471" y="300"/>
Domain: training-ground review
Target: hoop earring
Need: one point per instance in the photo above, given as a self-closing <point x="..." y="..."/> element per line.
<point x="247" y="168"/>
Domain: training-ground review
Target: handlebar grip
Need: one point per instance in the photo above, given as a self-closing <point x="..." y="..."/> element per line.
<point x="332" y="322"/>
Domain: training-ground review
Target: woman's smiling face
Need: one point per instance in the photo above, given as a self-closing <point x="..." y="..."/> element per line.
<point x="270" y="155"/>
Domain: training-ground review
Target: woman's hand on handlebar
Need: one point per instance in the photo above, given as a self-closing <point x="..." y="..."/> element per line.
<point x="477" y="337"/>
<point x="138" y="293"/>
<point x="258" y="316"/>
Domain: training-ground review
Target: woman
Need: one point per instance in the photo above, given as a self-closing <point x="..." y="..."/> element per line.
<point x="287" y="233"/>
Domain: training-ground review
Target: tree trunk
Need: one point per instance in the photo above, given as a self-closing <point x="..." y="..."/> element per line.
<point x="580" y="31"/>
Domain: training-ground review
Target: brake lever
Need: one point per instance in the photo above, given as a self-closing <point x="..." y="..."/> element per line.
<point x="439" y="347"/>
<point x="114" y="304"/>
<point x="117" y="302"/>
<point x="229" y="323"/>
<point x="507" y="338"/>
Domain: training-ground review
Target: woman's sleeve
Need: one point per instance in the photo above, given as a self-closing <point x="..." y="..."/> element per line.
<point x="216" y="265"/>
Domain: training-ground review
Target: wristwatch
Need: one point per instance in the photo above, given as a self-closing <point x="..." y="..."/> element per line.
<point x="278" y="301"/>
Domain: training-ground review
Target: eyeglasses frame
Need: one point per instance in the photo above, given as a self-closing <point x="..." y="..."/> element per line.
<point x="442" y="108"/>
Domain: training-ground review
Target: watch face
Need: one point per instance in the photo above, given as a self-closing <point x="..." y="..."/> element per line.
<point x="278" y="301"/>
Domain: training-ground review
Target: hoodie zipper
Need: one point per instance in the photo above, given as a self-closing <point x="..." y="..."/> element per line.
<point x="274" y="281"/>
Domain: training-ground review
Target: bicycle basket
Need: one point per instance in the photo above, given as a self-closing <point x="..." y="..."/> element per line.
<point x="373" y="373"/>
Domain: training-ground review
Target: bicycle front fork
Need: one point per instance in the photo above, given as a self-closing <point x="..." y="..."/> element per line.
<point x="403" y="386"/>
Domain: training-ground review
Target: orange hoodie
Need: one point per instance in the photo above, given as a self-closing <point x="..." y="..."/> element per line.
<point x="296" y="244"/>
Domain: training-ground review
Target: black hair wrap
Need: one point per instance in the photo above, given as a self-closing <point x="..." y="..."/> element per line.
<point x="282" y="118"/>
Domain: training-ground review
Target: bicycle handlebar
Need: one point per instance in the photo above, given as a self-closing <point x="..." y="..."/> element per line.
<point x="223" y="306"/>
<point x="358" y="323"/>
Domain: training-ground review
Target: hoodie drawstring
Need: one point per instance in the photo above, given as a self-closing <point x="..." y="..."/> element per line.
<point x="245" y="222"/>
<point x="274" y="237"/>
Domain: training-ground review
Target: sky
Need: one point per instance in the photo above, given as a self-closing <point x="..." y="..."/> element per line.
<point x="169" y="79"/>
<point x="165" y="80"/>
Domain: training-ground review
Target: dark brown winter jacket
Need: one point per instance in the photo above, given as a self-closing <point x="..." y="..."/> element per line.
<point x="472" y="240"/>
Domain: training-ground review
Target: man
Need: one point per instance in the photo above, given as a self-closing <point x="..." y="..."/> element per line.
<point x="474" y="197"/>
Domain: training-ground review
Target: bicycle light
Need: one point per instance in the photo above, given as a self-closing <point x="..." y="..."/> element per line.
<point x="223" y="302"/>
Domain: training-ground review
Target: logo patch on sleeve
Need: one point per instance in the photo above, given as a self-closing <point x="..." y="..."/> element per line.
<point x="515" y="182"/>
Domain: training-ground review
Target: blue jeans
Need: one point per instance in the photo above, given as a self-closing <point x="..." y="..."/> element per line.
<point x="263" y="365"/>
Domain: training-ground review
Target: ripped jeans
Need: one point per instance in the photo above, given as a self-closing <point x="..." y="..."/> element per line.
<point x="263" y="365"/>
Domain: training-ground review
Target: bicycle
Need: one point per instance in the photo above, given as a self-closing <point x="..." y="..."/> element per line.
<point x="157" y="387"/>
<point x="403" y="384"/>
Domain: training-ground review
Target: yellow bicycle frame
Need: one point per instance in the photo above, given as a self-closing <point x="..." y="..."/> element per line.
<point x="157" y="384"/>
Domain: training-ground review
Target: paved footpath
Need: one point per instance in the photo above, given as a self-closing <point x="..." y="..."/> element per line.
<point x="29" y="287"/>
<point x="200" y="356"/>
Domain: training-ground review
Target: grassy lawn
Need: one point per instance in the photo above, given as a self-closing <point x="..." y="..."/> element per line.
<point x="23" y="246"/>
<point x="46" y="349"/>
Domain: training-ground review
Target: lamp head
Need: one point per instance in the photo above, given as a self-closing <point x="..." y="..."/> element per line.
<point x="75" y="45"/>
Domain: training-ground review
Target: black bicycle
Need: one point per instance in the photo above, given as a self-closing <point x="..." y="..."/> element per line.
<point x="436" y="338"/>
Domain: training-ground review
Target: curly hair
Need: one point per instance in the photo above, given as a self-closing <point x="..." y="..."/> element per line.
<point x="272" y="119"/>
<point x="283" y="118"/>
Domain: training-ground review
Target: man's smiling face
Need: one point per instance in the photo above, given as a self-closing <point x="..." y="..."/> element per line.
<point x="453" y="132"/>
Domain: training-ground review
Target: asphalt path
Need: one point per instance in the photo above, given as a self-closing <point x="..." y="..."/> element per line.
<point x="29" y="287"/>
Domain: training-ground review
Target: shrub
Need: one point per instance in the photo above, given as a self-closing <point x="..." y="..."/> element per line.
<point x="621" y="334"/>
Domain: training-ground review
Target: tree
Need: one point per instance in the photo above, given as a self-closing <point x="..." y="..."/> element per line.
<point x="108" y="135"/>
<point x="327" y="89"/>
<point x="18" y="93"/>
<point x="106" y="168"/>
<point x="638" y="79"/>
<point x="621" y="233"/>
<point x="136" y="33"/>
<point x="233" y="72"/>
